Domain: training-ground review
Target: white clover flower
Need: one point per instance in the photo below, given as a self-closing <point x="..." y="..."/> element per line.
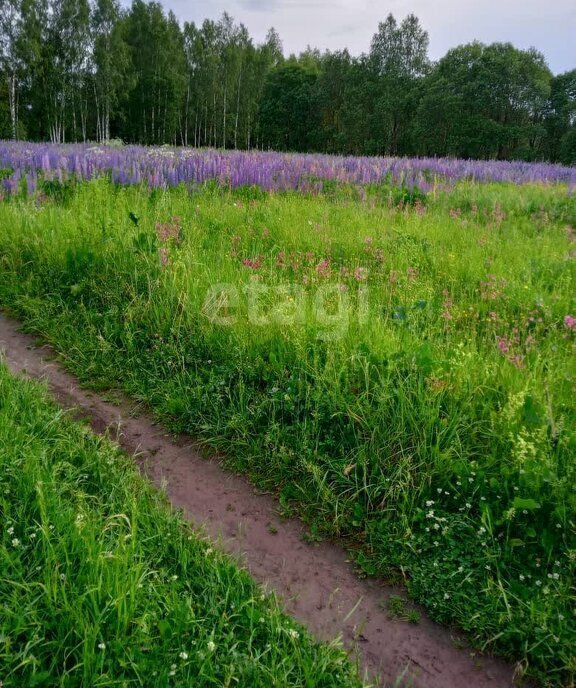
<point x="10" y="530"/>
<point x="538" y="583"/>
<point x="15" y="542"/>
<point x="522" y="577"/>
<point x="211" y="645"/>
<point x="101" y="646"/>
<point x="293" y="633"/>
<point x="208" y="551"/>
<point x="430" y="502"/>
<point x="436" y="543"/>
<point x="460" y="569"/>
<point x="436" y="526"/>
<point x="183" y="656"/>
<point x="468" y="505"/>
<point x="430" y="514"/>
<point x="446" y="596"/>
<point x="174" y="577"/>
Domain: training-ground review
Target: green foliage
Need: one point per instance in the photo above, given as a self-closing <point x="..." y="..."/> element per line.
<point x="61" y="192"/>
<point x="103" y="584"/>
<point x="485" y="102"/>
<point x="287" y="116"/>
<point x="430" y="418"/>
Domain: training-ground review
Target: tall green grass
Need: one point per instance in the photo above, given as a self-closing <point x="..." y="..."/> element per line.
<point x="411" y="387"/>
<point x="101" y="585"/>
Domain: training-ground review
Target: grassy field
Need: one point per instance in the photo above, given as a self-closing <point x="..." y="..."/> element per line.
<point x="401" y="368"/>
<point x="102" y="585"/>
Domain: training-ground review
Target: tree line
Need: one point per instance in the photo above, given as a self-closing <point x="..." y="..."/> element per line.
<point x="87" y="70"/>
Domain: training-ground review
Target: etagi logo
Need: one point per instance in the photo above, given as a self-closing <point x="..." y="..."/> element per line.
<point x="329" y="309"/>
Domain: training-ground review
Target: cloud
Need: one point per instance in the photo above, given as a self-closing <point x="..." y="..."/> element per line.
<point x="279" y="5"/>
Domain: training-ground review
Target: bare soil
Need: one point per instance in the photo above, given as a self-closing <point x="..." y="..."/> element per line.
<point x="316" y="581"/>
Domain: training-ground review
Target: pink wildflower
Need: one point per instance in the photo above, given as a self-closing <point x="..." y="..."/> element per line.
<point x="169" y="230"/>
<point x="323" y="268"/>
<point x="164" y="256"/>
<point x="253" y="263"/>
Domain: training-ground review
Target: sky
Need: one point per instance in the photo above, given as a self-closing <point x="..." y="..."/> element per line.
<point x="334" y="24"/>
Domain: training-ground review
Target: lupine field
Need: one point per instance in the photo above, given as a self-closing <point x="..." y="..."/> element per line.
<point x="390" y="344"/>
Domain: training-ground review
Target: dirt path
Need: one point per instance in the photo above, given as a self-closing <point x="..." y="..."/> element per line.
<point x="315" y="581"/>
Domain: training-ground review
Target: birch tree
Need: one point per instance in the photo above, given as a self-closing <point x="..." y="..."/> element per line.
<point x="10" y="65"/>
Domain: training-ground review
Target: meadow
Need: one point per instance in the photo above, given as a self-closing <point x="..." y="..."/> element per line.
<point x="390" y="345"/>
<point x="103" y="585"/>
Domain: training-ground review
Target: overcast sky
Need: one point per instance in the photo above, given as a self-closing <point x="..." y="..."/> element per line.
<point x="549" y="26"/>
